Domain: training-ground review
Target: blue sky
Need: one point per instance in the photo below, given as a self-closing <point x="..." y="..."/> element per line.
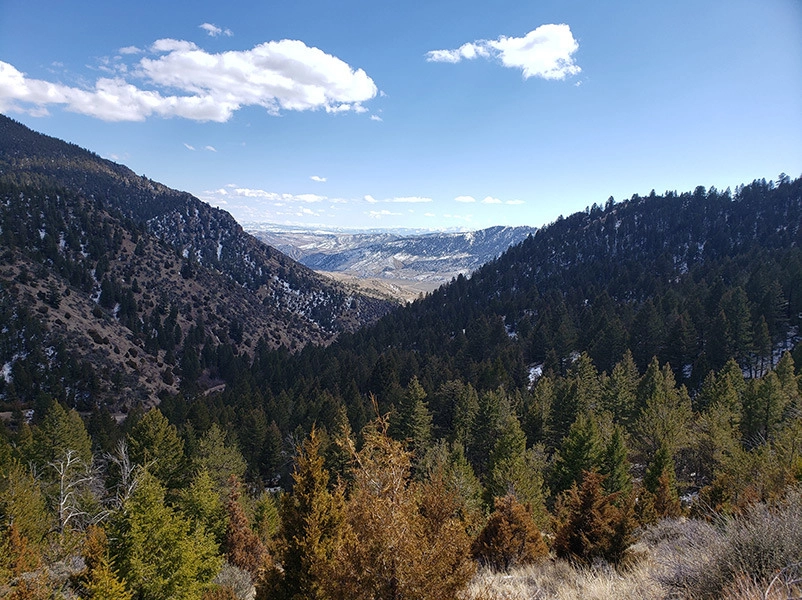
<point x="439" y="114"/>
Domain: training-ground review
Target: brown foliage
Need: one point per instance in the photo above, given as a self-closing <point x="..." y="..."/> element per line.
<point x="592" y="523"/>
<point x="243" y="547"/>
<point x="405" y="539"/>
<point x="510" y="538"/>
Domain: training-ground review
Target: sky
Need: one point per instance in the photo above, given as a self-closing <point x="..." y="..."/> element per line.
<point x="431" y="115"/>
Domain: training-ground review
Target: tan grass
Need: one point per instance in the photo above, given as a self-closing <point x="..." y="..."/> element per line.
<point x="559" y="580"/>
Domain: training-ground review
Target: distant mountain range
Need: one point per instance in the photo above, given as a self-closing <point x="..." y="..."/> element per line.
<point x="430" y="257"/>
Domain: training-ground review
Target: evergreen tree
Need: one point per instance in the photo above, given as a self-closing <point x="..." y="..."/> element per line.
<point x="398" y="544"/>
<point x="590" y="523"/>
<point x="537" y="416"/>
<point x="510" y="538"/>
<point x="661" y="481"/>
<point x="155" y="444"/>
<point x="242" y="546"/>
<point x="615" y="465"/>
<point x="201" y="503"/>
<point x="412" y="422"/>
<point x="620" y="392"/>
<point x="23" y="504"/>
<point x="98" y="581"/>
<point x="311" y="532"/>
<point x="156" y="551"/>
<point x="582" y="451"/>
<point x="217" y="457"/>
<point x="59" y="431"/>
<point x="666" y="413"/>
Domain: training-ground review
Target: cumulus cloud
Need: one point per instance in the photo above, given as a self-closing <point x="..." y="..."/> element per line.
<point x="185" y="81"/>
<point x="376" y="118"/>
<point x="214" y="30"/>
<point x="130" y="50"/>
<point x="491" y="200"/>
<point x="318" y="178"/>
<point x="465" y="199"/>
<point x="546" y="52"/>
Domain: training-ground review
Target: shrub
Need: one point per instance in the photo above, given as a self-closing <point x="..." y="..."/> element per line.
<point x="510" y="538"/>
<point x="763" y="545"/>
<point x="592" y="524"/>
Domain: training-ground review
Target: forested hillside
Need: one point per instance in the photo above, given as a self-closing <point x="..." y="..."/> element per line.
<point x="115" y="290"/>
<point x="625" y="366"/>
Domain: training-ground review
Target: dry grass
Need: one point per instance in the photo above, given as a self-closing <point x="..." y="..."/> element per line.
<point x="757" y="556"/>
<point x="559" y="580"/>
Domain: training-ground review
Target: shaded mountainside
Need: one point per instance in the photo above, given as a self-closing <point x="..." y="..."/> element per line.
<point x="436" y="257"/>
<point x="119" y="280"/>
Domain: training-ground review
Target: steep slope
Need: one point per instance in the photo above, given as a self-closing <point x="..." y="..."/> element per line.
<point x="194" y="229"/>
<point x="114" y="289"/>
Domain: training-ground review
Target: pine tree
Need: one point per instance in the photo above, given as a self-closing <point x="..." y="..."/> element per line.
<point x="413" y="421"/>
<point x="156" y="551"/>
<point x="537" y="415"/>
<point x="200" y="502"/>
<point x="155" y="444"/>
<point x="217" y="457"/>
<point x="615" y="465"/>
<point x="620" y="392"/>
<point x="59" y="431"/>
<point x="398" y="543"/>
<point x="311" y="531"/>
<point x="98" y="581"/>
<point x="582" y="451"/>
<point x="661" y="481"/>
<point x="666" y="412"/>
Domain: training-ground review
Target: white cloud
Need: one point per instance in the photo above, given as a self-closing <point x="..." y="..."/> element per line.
<point x="210" y="148"/>
<point x="376" y="118"/>
<point x="467" y="51"/>
<point x="370" y="199"/>
<point x="272" y="196"/>
<point x="545" y="52"/>
<point x="409" y="200"/>
<point x="188" y="147"/>
<point x="130" y="50"/>
<point x="515" y="202"/>
<point x="465" y="199"/>
<point x="214" y="30"/>
<point x="186" y="81"/>
<point x="378" y="214"/>
<point x="318" y="178"/>
<point x="491" y="200"/>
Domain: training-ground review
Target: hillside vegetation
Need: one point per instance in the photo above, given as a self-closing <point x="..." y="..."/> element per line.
<point x="612" y="408"/>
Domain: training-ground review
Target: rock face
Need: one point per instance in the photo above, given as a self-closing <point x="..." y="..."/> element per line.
<point x="421" y="257"/>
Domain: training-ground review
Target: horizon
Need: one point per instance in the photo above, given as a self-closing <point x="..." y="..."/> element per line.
<point x="475" y="116"/>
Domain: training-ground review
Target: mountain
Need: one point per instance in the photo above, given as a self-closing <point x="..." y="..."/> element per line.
<point x="693" y="279"/>
<point x="435" y="257"/>
<point x="110" y="282"/>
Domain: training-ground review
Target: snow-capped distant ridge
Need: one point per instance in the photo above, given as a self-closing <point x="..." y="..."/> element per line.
<point x="393" y="254"/>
